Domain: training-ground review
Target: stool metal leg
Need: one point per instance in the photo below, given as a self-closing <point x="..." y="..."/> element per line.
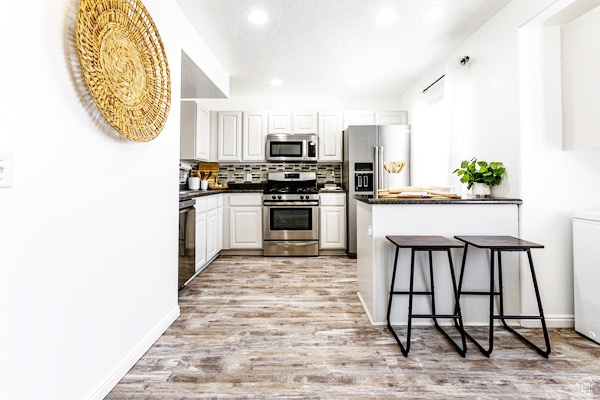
<point x="403" y="349"/>
<point x="543" y="353"/>
<point x="501" y="290"/>
<point x="491" y="316"/>
<point x="456" y="316"/>
<point x="389" y="310"/>
<point x="432" y="289"/>
<point x="462" y="351"/>
<point x="460" y="280"/>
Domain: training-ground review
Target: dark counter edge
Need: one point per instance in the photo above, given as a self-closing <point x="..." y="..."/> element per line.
<point x="491" y="200"/>
<point x="201" y="193"/>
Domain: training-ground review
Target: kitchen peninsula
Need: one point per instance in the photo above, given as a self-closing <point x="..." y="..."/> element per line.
<point x="378" y="218"/>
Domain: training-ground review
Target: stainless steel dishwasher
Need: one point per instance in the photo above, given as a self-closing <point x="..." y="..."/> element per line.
<point x="187" y="241"/>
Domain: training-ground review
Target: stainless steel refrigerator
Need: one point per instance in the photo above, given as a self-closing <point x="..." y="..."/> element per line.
<point x="366" y="148"/>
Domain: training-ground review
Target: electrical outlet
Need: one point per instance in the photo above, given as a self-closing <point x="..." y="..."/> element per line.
<point x="248" y="177"/>
<point x="5" y="170"/>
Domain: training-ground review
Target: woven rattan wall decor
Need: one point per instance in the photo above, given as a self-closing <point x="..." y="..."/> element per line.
<point x="124" y="66"/>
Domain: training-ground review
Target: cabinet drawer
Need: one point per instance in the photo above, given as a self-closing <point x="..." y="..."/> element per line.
<point x="332" y="199"/>
<point x="243" y="199"/>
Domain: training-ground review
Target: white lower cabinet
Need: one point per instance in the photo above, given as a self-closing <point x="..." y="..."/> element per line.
<point x="209" y="229"/>
<point x="245" y="221"/>
<point x="212" y="232"/>
<point x="220" y="228"/>
<point x="200" y="234"/>
<point x="332" y="221"/>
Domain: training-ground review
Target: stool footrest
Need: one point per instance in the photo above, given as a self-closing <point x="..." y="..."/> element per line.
<point x="435" y="315"/>
<point x="478" y="293"/>
<point x="407" y="293"/>
<point x="517" y="317"/>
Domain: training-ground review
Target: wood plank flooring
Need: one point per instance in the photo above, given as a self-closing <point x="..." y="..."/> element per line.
<point x="293" y="328"/>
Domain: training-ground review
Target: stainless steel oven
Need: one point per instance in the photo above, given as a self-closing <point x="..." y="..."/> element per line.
<point x="286" y="147"/>
<point x="291" y="215"/>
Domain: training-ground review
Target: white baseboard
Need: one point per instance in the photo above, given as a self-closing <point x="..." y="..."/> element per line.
<point x="367" y="311"/>
<point x="134" y="355"/>
<point x="552" y="321"/>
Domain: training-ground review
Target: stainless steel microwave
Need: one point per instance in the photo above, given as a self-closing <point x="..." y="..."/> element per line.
<point x="288" y="147"/>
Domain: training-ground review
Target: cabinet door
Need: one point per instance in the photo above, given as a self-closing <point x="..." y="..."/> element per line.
<point x="200" y="240"/>
<point x="254" y="136"/>
<point x="187" y="130"/>
<point x="280" y="122"/>
<point x="220" y="229"/>
<point x="330" y="136"/>
<point x="358" y="118"/>
<point x="304" y="122"/>
<point x="202" y="134"/>
<point x="245" y="227"/>
<point x="212" y="234"/>
<point x="230" y="136"/>
<point x="332" y="233"/>
<point x="194" y="143"/>
<point x="391" y="118"/>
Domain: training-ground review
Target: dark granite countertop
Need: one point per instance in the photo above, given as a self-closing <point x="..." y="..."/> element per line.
<point x="489" y="200"/>
<point x="233" y="188"/>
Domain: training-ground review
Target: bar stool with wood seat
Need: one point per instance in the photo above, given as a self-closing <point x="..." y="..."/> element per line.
<point x="499" y="244"/>
<point x="428" y="244"/>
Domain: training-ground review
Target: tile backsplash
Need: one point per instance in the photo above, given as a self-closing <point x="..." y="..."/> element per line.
<point x="236" y="173"/>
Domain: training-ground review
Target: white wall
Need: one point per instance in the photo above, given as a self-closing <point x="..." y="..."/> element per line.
<point x="555" y="182"/>
<point x="514" y="116"/>
<point x="88" y="247"/>
<point x="581" y="86"/>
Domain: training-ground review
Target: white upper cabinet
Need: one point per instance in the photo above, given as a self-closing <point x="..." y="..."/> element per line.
<point x="280" y="122"/>
<point x="391" y="118"/>
<point x="195" y="132"/>
<point x="230" y="136"/>
<point x="304" y="122"/>
<point x="254" y="136"/>
<point x="330" y="136"/>
<point x="358" y="118"/>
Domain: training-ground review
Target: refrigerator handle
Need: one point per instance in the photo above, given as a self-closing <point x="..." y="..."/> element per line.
<point x="380" y="168"/>
<point x="376" y="173"/>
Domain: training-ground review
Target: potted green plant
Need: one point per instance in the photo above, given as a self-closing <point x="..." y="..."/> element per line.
<point x="480" y="175"/>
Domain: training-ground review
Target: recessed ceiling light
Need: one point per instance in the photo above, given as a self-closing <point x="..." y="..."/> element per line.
<point x="258" y="17"/>
<point x="352" y="82"/>
<point x="276" y="82"/>
<point x="386" y="16"/>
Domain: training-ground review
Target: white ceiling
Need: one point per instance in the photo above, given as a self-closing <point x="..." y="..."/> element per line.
<point x="316" y="46"/>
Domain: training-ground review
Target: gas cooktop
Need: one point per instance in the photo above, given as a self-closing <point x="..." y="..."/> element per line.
<point x="291" y="190"/>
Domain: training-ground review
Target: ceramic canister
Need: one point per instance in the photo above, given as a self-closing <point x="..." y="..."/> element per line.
<point x="194" y="183"/>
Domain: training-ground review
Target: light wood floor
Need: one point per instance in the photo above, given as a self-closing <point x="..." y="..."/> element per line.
<point x="293" y="328"/>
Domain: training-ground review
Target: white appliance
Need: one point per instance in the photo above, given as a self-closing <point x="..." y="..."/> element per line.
<point x="586" y="273"/>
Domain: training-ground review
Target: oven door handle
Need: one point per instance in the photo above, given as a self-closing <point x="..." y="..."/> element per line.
<point x="286" y="203"/>
<point x="296" y="243"/>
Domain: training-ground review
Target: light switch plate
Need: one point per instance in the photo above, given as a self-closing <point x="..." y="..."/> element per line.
<point x="5" y="170"/>
<point x="248" y="177"/>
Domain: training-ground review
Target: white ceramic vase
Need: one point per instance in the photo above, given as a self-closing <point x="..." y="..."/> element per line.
<point x="204" y="184"/>
<point x="481" y="190"/>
